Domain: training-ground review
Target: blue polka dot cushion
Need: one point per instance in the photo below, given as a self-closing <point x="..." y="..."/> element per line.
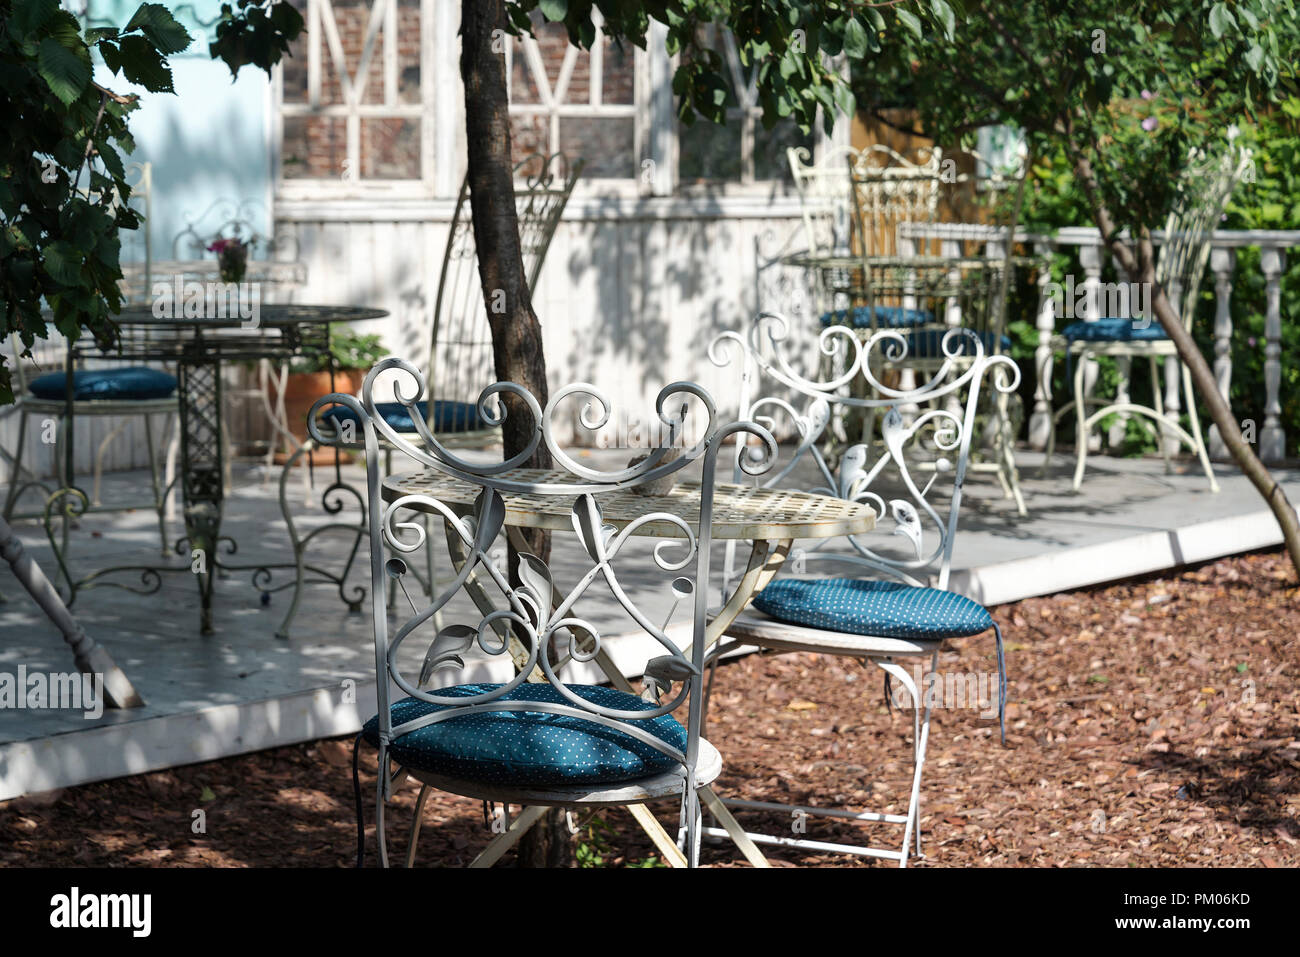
<point x="1114" y="330"/>
<point x="879" y="608"/>
<point x="448" y="416"/>
<point x="928" y="344"/>
<point x="531" y="748"/>
<point x="880" y="317"/>
<point x="132" y="382"/>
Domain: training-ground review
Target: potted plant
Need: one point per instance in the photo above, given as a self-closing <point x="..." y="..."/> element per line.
<point x="232" y="256"/>
<point x="351" y="355"/>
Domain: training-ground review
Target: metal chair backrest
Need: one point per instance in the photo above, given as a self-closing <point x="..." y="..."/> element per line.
<point x="912" y="474"/>
<point x="460" y="343"/>
<point x="1205" y="187"/>
<point x="537" y="619"/>
<point x="889" y="190"/>
<point x="825" y="198"/>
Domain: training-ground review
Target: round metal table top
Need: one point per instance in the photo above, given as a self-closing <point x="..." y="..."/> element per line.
<point x="272" y="314"/>
<point x="739" y="511"/>
<point x="850" y="261"/>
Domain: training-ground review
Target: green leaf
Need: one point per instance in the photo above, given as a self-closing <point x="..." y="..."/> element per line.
<point x="1221" y="19"/>
<point x="157" y="23"/>
<point x="112" y="56"/>
<point x="142" y="64"/>
<point x="30" y="15"/>
<point x="66" y="73"/>
<point x="910" y="20"/>
<point x="944" y="15"/>
<point x="63" y="263"/>
<point x="554" y="10"/>
<point x="855" y="39"/>
<point x="1255" y="57"/>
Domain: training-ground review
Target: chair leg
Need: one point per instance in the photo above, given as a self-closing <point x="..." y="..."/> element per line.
<point x="1161" y="432"/>
<point x="169" y="468"/>
<point x="503" y="842"/>
<point x="1196" y="429"/>
<point x="1007" y="469"/>
<point x="15" y="476"/>
<point x="99" y="458"/>
<point x="159" y="490"/>
<point x="1080" y="419"/>
<point x="414" y="839"/>
<point x="658" y="836"/>
<point x="921" y="736"/>
<point x="729" y="823"/>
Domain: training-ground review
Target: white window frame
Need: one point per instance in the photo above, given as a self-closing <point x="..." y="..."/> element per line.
<point x="551" y="101"/>
<point x="441" y="112"/>
<point x="325" y="51"/>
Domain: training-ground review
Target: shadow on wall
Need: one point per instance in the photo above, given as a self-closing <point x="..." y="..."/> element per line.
<point x="651" y="292"/>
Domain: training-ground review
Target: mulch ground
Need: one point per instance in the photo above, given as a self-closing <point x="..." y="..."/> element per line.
<point x="1152" y="723"/>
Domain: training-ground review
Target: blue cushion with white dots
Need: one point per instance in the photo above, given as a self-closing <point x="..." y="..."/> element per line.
<point x="881" y="317"/>
<point x="131" y="382"/>
<point x="1114" y="330"/>
<point x="531" y="748"/>
<point x="878" y="608"/>
<point x="448" y="416"/>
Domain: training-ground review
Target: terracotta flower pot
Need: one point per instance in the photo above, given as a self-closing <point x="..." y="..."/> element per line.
<point x="302" y="390"/>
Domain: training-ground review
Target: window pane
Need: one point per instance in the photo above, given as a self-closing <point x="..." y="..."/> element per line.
<point x="295" y="64"/>
<point x="390" y="148"/>
<point x="708" y="152"/>
<point x="606" y="143"/>
<point x="408" y="51"/>
<point x="770" y="161"/>
<point x="528" y="135"/>
<point x="619" y="84"/>
<point x="314" y="147"/>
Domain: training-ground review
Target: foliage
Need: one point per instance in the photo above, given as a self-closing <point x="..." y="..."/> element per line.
<point x="259" y="34"/>
<point x="791" y="43"/>
<point x="63" y="187"/>
<point x="593" y="848"/>
<point x="349" y="349"/>
<point x="1128" y="88"/>
<point x="1269" y="198"/>
<point x="1125" y="91"/>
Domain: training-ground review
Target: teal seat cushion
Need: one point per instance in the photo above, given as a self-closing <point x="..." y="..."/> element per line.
<point x="878" y="317"/>
<point x="530" y="748"/>
<point x="448" y="416"/>
<point x="879" y="608"/>
<point x="928" y="344"/>
<point x="131" y="382"/>
<point x="1115" y="330"/>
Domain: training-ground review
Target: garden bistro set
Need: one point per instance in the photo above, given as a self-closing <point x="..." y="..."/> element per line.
<point x="547" y="738"/>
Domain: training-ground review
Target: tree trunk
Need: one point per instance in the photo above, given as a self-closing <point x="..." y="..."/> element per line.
<point x="516" y="331"/>
<point x="1202" y="377"/>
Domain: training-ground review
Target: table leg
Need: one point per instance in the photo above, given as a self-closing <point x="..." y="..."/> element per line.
<point x="201" y="473"/>
<point x="765" y="559"/>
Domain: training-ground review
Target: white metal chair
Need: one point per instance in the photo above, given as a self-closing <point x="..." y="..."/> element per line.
<point x="1204" y="192"/>
<point x="825" y="198"/>
<point x="903" y="611"/>
<point x="541" y="739"/>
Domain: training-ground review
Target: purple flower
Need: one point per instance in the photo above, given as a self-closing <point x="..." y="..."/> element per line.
<point x="1150" y="123"/>
<point x="1148" y="95"/>
<point x="1251" y="341"/>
